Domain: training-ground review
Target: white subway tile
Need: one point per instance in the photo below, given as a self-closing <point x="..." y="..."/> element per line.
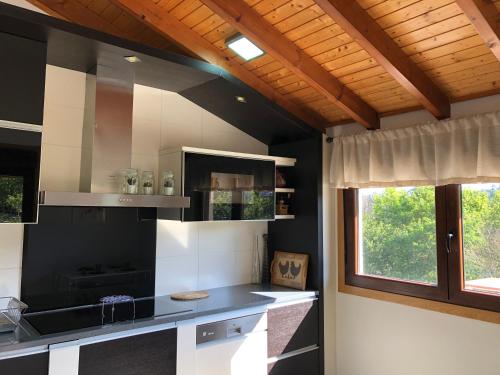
<point x="64" y="87"/>
<point x="216" y="268"/>
<point x="174" y="238"/>
<point x="60" y="168"/>
<point x="63" y="126"/>
<point x="176" y="274"/>
<point x="146" y="136"/>
<point x="147" y="103"/>
<point x="10" y="282"/>
<point x="11" y="245"/>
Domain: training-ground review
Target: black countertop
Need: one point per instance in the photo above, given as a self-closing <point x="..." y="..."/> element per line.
<point x="164" y="311"/>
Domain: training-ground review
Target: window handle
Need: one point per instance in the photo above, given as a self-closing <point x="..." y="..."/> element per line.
<point x="449" y="238"/>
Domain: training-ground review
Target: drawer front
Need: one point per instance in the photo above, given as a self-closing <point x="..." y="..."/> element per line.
<point x="152" y="353"/>
<point x="292" y="327"/>
<point x="35" y="364"/>
<point x="306" y="364"/>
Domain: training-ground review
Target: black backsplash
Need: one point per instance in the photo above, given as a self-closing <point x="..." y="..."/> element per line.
<point x="76" y="255"/>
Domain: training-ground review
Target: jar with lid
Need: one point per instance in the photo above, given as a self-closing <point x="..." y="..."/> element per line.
<point x="130" y="183"/>
<point x="147" y="182"/>
<point x="167" y="184"/>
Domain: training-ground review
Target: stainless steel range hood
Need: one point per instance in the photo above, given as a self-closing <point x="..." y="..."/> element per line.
<point x="107" y="145"/>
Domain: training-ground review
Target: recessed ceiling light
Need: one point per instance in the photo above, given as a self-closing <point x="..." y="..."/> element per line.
<point x="244" y="47"/>
<point x="132" y="59"/>
<point x="241" y="99"/>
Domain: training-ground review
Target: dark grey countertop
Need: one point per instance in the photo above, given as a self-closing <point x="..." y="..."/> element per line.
<point x="221" y="300"/>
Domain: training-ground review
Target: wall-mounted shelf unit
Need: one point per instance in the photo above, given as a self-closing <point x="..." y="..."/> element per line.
<point x="284" y="217"/>
<point x="284" y="190"/>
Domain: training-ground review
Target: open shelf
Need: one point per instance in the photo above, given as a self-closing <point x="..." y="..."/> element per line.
<point x="284" y="217"/>
<point x="284" y="190"/>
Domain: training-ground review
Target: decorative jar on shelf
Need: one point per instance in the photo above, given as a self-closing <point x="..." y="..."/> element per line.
<point x="147" y="182"/>
<point x="130" y="183"/>
<point x="167" y="183"/>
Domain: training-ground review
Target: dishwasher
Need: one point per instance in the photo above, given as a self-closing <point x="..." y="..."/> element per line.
<point x="232" y="347"/>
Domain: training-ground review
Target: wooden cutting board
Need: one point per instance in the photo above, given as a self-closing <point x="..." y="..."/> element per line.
<point x="189" y="296"/>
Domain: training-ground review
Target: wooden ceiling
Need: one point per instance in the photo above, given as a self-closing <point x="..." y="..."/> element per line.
<point x="327" y="61"/>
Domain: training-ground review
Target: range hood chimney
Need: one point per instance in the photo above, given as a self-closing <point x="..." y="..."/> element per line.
<point x="107" y="145"/>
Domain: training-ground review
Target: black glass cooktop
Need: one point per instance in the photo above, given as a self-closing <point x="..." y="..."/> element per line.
<point x="76" y="318"/>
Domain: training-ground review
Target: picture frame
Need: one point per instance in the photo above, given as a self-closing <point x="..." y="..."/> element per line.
<point x="289" y="269"/>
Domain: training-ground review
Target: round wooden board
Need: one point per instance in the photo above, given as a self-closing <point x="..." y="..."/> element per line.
<point x="189" y="296"/>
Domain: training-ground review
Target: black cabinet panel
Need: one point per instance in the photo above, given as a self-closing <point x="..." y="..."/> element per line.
<point x="36" y="364"/>
<point x="152" y="353"/>
<point x="22" y="77"/>
<point x="292" y="327"/>
<point x="303" y="364"/>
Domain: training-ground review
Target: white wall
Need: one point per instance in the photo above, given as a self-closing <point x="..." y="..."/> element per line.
<point x="374" y="337"/>
<point x="189" y="255"/>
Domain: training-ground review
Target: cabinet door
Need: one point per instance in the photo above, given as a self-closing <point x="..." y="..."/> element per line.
<point x="292" y="327"/>
<point x="302" y="364"/>
<point x="151" y="353"/>
<point x="22" y="77"/>
<point x="34" y="364"/>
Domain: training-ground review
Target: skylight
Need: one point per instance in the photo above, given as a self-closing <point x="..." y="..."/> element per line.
<point x="241" y="45"/>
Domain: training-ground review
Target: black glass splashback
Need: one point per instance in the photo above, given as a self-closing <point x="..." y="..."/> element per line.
<point x="75" y="256"/>
<point x="226" y="188"/>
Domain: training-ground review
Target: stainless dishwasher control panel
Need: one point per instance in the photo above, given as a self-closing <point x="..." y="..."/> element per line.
<point x="227" y="329"/>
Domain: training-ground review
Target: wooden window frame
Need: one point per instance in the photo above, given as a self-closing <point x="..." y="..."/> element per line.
<point x="448" y="295"/>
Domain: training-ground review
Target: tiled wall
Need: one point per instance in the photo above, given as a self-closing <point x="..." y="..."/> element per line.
<point x="189" y="255"/>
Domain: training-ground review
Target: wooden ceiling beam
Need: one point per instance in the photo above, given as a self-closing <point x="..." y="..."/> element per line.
<point x="250" y="23"/>
<point x="364" y="29"/>
<point x="485" y="17"/>
<point x="167" y="25"/>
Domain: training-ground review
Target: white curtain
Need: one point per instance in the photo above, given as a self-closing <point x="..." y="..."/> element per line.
<point x="464" y="150"/>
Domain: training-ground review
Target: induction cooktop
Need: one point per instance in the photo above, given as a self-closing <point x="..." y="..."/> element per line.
<point x="93" y="316"/>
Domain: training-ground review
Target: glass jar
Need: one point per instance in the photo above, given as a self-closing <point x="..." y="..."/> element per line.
<point x="147" y="182"/>
<point x="131" y="181"/>
<point x="167" y="184"/>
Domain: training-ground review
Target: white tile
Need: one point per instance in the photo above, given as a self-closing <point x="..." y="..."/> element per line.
<point x="231" y="236"/>
<point x="147" y="103"/>
<point x="174" y="135"/>
<point x="64" y="87"/>
<point x="146" y="136"/>
<point x="178" y="110"/>
<point x="176" y="274"/>
<point x="11" y="245"/>
<point x="10" y="282"/>
<point x="213" y="123"/>
<point x="242" y="268"/>
<point x="63" y="126"/>
<point x="216" y="268"/>
<point x="174" y="238"/>
<point x="60" y="168"/>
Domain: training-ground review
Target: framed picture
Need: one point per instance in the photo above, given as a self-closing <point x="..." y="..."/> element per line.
<point x="289" y="269"/>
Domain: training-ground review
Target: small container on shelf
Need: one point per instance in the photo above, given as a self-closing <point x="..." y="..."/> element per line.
<point x="147" y="183"/>
<point x="167" y="183"/>
<point x="130" y="181"/>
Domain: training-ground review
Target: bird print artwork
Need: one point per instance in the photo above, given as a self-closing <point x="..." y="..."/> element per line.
<point x="294" y="270"/>
<point x="289" y="269"/>
<point x="284" y="268"/>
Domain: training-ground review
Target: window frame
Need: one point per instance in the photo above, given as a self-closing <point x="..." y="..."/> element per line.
<point x="457" y="293"/>
<point x="449" y="256"/>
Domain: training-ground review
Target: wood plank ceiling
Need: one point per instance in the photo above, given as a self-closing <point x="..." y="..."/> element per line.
<point x="320" y="64"/>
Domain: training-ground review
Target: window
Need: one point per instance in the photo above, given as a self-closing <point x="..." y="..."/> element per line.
<point x="440" y="243"/>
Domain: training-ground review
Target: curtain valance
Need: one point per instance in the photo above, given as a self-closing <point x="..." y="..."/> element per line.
<point x="463" y="150"/>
